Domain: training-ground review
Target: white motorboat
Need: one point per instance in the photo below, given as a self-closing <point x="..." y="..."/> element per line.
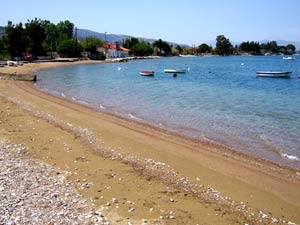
<point x="174" y="71"/>
<point x="12" y="63"/>
<point x="288" y="58"/>
<point x="276" y="74"/>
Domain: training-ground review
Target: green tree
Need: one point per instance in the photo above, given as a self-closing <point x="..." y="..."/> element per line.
<point x="223" y="46"/>
<point x="15" y="39"/>
<point x="175" y="52"/>
<point x="51" y="38"/>
<point x="163" y="48"/>
<point x="252" y="47"/>
<point x="142" y="49"/>
<point x="137" y="47"/>
<point x="2" y="48"/>
<point x="1" y="45"/>
<point x="35" y="30"/>
<point x="273" y="46"/>
<point x="290" y="49"/>
<point x="270" y="47"/>
<point x="65" y="29"/>
<point x="159" y="45"/>
<point x="179" y="49"/>
<point x="204" y="48"/>
<point x="68" y="48"/>
<point x="91" y="44"/>
<point x="129" y="43"/>
<point x="282" y="49"/>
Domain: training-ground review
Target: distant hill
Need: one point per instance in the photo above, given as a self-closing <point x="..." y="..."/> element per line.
<point x="82" y="34"/>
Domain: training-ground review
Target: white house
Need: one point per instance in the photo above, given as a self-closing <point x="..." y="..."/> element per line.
<point x="114" y="50"/>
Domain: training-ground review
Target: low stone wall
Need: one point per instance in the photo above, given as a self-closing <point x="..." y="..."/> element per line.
<point x="21" y="77"/>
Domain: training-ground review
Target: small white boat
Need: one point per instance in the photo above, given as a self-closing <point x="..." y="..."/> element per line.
<point x="276" y="74"/>
<point x="187" y="56"/>
<point x="147" y="72"/>
<point x="174" y="71"/>
<point x="12" y="63"/>
<point x="288" y="58"/>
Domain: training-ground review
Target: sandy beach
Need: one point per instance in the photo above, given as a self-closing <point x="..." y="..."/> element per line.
<point x="138" y="174"/>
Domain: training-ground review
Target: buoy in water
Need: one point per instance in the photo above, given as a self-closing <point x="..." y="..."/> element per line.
<point x="175" y="75"/>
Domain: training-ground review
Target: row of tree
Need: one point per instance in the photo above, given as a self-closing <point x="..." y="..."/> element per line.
<point x="138" y="48"/>
<point x="224" y="47"/>
<point x="38" y="37"/>
<point x="162" y="48"/>
<point x="41" y="37"/>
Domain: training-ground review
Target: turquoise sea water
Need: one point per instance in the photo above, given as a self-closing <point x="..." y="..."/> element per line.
<point x="219" y="99"/>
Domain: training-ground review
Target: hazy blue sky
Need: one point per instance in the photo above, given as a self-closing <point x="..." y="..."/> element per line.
<point x="182" y="21"/>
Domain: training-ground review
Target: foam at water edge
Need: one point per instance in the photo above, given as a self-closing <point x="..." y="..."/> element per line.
<point x="133" y="117"/>
<point x="291" y="157"/>
<point x="83" y="102"/>
<point x="102" y="107"/>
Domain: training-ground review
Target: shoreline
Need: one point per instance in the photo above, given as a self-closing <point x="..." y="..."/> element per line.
<point x="234" y="151"/>
<point x="214" y="164"/>
<point x="32" y="68"/>
<point x="217" y="147"/>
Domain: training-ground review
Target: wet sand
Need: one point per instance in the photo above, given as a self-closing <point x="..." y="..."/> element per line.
<point x="140" y="172"/>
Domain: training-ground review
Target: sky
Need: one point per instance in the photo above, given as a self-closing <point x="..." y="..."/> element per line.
<point x="191" y="22"/>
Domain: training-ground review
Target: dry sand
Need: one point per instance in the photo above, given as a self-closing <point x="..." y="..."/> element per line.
<point x="138" y="172"/>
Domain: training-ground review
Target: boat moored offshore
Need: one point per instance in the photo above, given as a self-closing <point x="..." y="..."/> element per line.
<point x="174" y="71"/>
<point x="288" y="58"/>
<point x="147" y="72"/>
<point x="275" y="74"/>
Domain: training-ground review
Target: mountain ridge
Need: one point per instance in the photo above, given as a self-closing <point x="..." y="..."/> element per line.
<point x="84" y="33"/>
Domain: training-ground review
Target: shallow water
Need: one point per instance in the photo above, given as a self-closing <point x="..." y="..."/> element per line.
<point x="219" y="99"/>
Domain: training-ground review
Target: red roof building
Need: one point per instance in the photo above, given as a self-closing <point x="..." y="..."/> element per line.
<point x="115" y="50"/>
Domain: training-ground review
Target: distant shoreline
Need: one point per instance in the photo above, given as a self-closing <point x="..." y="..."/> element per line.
<point x="31" y="68"/>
